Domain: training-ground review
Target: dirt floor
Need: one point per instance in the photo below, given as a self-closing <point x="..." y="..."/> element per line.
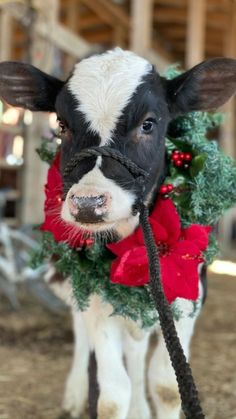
<point x="36" y="349"/>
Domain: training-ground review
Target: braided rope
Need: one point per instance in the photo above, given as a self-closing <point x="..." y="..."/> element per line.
<point x="187" y="388"/>
<point x="104" y="151"/>
<point x="188" y="392"/>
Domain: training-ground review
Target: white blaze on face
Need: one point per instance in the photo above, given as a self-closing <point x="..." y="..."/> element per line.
<point x="103" y="85"/>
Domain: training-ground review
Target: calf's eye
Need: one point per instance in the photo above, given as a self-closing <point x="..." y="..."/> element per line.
<point x="64" y="131"/>
<point x="147" y="126"/>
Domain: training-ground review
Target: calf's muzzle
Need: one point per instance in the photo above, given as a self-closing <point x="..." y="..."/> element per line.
<point x="88" y="209"/>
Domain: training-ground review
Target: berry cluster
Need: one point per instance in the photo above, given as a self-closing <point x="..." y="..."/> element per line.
<point x="181" y="159"/>
<point x="166" y="189"/>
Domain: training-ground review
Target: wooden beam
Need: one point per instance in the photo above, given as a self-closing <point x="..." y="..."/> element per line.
<point x="5" y="35"/>
<point x="179" y="16"/>
<point x="60" y="36"/>
<point x="89" y="21"/>
<point x="180" y="33"/>
<point x="72" y="15"/>
<point x="109" y="13"/>
<point x="196" y="28"/>
<point x="176" y="32"/>
<point x="101" y="36"/>
<point x="141" y="27"/>
<point x="72" y="22"/>
<point x="121" y="16"/>
<point x="66" y="40"/>
<point x="119" y="36"/>
<point x="158" y="48"/>
<point x="171" y="3"/>
<point x="212" y="49"/>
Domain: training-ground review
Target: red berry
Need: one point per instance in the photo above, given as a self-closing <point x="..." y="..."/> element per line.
<point x="181" y="156"/>
<point x="163" y="189"/>
<point x="175" y="157"/>
<point x="175" y="151"/>
<point x="88" y="242"/>
<point x="188" y="156"/>
<point x="179" y="163"/>
<point x="170" y="187"/>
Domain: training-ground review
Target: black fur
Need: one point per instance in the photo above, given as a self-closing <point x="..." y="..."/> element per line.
<point x="149" y="154"/>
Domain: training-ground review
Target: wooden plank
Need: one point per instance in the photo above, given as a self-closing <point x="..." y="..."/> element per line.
<point x="73" y="15"/>
<point x="72" y="22"/>
<point x="66" y="40"/>
<point x="60" y="36"/>
<point x="179" y="33"/>
<point x="171" y="3"/>
<point x="177" y="16"/>
<point x="5" y="35"/>
<point x="121" y="16"/>
<point x="119" y="37"/>
<point x="89" y="21"/>
<point x="109" y="13"/>
<point x="196" y="28"/>
<point x="158" y="59"/>
<point x="141" y="27"/>
<point x="158" y="48"/>
<point x="210" y="49"/>
<point x="101" y="36"/>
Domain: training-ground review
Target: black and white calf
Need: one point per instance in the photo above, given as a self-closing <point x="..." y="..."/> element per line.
<point x="117" y="99"/>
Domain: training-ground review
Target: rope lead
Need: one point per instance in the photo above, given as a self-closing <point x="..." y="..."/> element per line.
<point x="187" y="388"/>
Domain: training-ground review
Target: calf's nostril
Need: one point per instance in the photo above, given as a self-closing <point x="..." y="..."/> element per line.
<point x="101" y="199"/>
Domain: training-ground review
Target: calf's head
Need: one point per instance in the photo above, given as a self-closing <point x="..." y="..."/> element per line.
<point x="116" y="99"/>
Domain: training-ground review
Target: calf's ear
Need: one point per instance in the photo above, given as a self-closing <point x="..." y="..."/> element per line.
<point x="206" y="86"/>
<point x="25" y="86"/>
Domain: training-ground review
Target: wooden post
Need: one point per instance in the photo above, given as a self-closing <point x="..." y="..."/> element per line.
<point x="227" y="139"/>
<point x="60" y="36"/>
<point x="228" y="130"/>
<point x="72" y="22"/>
<point x="119" y="36"/>
<point x="141" y="26"/>
<point x="195" y="32"/>
<point x="5" y="35"/>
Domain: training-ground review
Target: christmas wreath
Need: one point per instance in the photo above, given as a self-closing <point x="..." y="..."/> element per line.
<point x="199" y="187"/>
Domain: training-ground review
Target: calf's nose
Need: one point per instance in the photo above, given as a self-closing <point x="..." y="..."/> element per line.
<point x="88" y="209"/>
<point x="85" y="202"/>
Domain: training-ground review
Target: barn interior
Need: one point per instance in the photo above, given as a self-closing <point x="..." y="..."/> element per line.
<point x="35" y="330"/>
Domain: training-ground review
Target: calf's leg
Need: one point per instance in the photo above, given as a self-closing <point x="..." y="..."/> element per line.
<point x="135" y="355"/>
<point x="113" y="380"/>
<point x="76" y="390"/>
<point x="162" y="382"/>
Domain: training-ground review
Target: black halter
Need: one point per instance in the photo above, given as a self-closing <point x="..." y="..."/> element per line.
<point x="187" y="388"/>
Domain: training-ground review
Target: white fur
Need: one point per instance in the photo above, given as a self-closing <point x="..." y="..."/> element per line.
<point x="119" y="214"/>
<point x="122" y="390"/>
<point x="76" y="391"/>
<point x="103" y="85"/>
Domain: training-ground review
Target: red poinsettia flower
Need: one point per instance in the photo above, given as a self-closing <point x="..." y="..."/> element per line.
<point x="61" y="230"/>
<point x="180" y="253"/>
